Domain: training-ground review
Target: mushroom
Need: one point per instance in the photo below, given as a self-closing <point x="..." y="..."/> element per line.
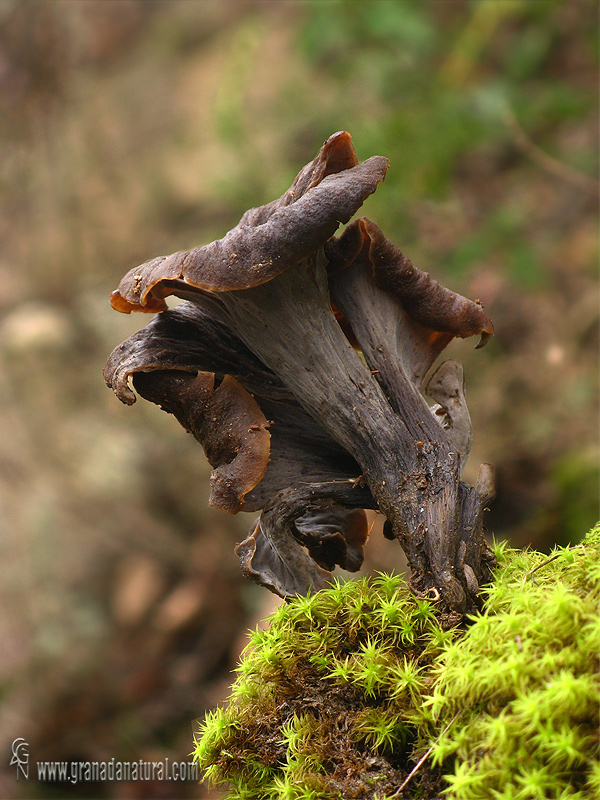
<point x="167" y="361"/>
<point x="360" y="432"/>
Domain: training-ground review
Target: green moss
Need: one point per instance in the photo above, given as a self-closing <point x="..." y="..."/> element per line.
<point x="348" y="688"/>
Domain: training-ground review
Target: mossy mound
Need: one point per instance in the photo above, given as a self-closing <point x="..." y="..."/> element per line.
<point x="346" y="690"/>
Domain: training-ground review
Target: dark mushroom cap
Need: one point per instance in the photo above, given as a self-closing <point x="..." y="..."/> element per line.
<point x="269" y="239"/>
<point x="425" y="301"/>
<point x="334" y="535"/>
<point x="271" y="554"/>
<point x="189" y="339"/>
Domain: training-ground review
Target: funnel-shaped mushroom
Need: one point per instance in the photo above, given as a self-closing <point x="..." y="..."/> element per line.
<point x="254" y="460"/>
<point x="346" y="432"/>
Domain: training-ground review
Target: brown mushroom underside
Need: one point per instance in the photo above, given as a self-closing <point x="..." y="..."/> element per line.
<point x="226" y="420"/>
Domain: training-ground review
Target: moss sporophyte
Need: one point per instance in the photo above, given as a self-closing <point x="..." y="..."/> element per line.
<point x="503" y="708"/>
<point x="300" y="361"/>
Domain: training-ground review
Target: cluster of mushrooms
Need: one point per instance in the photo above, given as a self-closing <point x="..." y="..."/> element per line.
<point x="300" y="361"/>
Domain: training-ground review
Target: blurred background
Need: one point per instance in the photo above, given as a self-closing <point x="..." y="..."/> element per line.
<point x="130" y="129"/>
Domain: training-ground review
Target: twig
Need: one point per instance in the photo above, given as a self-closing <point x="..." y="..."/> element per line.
<point x="422" y="760"/>
<point x="544" y="563"/>
<point x="546" y="162"/>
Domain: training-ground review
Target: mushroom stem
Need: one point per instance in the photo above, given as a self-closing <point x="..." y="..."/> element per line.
<point x="434" y="516"/>
<point x="288" y="323"/>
